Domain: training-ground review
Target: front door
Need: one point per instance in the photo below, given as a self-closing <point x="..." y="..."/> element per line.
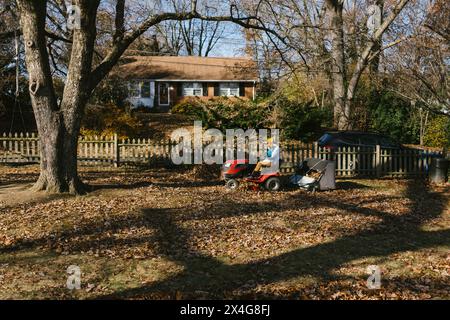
<point x="163" y="93"/>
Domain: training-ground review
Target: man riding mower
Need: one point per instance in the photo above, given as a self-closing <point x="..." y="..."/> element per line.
<point x="264" y="173"/>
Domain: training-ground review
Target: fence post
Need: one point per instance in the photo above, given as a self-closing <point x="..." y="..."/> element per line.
<point x="378" y="160"/>
<point x="316" y="150"/>
<point x="117" y="151"/>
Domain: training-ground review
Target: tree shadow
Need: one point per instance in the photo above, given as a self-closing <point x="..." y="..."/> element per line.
<point x="5" y="187"/>
<point x="18" y="178"/>
<point x="203" y="273"/>
<point x="190" y="184"/>
<point x="349" y="185"/>
<point x="173" y="178"/>
<point x="97" y="232"/>
<point x="123" y="186"/>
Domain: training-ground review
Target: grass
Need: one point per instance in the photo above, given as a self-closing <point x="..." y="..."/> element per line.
<point x="160" y="234"/>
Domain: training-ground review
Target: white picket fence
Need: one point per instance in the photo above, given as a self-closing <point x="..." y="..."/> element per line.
<point x="19" y="148"/>
<point x="350" y="161"/>
<point x="365" y="161"/>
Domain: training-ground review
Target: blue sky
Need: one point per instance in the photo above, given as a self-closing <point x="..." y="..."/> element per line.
<point x="231" y="44"/>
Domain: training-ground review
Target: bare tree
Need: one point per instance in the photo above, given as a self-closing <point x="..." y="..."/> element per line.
<point x="328" y="37"/>
<point x="271" y="67"/>
<point x="200" y="36"/>
<point x="421" y="64"/>
<point x="345" y="85"/>
<point x="170" y="37"/>
<point x="195" y="37"/>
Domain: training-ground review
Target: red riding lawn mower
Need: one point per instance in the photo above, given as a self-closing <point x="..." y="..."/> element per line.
<point x="236" y="172"/>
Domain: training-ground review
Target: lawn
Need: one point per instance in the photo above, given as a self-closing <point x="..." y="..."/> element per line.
<point x="158" y="234"/>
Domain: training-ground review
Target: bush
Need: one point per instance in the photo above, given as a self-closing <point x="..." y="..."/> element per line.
<point x="192" y="107"/>
<point x="296" y="121"/>
<point x="105" y="120"/>
<point x="303" y="122"/>
<point x="225" y="113"/>
<point x="392" y="116"/>
<point x="302" y="108"/>
<point x="438" y="132"/>
<point x="378" y="108"/>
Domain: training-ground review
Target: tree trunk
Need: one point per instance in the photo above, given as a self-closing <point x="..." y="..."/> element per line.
<point x="58" y="163"/>
<point x="341" y="105"/>
<point x="58" y="125"/>
<point x="375" y="63"/>
<point x="343" y="90"/>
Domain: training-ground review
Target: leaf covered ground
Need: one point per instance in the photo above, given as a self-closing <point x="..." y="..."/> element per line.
<point x="176" y="234"/>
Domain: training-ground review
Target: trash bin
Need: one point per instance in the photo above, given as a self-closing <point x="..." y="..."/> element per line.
<point x="439" y="170"/>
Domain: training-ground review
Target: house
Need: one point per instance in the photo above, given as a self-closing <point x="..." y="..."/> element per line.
<point x="163" y="81"/>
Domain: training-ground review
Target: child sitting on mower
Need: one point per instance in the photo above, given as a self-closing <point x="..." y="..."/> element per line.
<point x="271" y="161"/>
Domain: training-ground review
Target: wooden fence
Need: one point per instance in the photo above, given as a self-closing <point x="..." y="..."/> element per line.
<point x="350" y="161"/>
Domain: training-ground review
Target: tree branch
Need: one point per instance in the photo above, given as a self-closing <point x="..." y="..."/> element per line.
<point x="119" y="47"/>
<point x="368" y="50"/>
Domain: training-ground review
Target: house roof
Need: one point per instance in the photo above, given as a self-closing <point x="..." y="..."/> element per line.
<point x="187" y="68"/>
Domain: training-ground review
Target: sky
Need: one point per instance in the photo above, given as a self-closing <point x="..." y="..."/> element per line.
<point x="232" y="42"/>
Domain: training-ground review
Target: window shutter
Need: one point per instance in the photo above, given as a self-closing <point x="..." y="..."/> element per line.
<point x="216" y="90"/>
<point x="179" y="89"/>
<point x="241" y="89"/>
<point x="205" y="89"/>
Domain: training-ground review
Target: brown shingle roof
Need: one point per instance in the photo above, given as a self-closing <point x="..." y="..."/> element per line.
<point x="187" y="68"/>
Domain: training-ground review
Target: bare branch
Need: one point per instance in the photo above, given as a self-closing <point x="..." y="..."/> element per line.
<point x="119" y="48"/>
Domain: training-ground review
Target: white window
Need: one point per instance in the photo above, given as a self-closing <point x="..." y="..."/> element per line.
<point x="191" y="89"/>
<point x="139" y="89"/>
<point x="229" y="89"/>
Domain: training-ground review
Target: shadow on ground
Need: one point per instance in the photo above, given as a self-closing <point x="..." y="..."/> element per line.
<point x="203" y="273"/>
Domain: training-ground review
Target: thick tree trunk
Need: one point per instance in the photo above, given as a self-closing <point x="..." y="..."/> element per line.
<point x="58" y="163"/>
<point x="58" y="125"/>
